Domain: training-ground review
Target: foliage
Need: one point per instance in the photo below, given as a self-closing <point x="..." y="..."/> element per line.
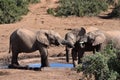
<point x="80" y="7"/>
<point x="33" y="1"/>
<point x="12" y="10"/>
<point x="103" y="65"/>
<point x="116" y="11"/>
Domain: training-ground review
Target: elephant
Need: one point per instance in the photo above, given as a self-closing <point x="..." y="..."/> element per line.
<point x="24" y="40"/>
<point x="103" y="38"/>
<point x="97" y="40"/>
<point x="73" y="37"/>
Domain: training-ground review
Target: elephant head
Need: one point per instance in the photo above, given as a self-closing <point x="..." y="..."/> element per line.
<point x="81" y="37"/>
<point x="96" y="37"/>
<point x="47" y="38"/>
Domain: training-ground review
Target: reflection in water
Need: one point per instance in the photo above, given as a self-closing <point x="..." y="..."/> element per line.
<point x="53" y="65"/>
<point x="3" y="67"/>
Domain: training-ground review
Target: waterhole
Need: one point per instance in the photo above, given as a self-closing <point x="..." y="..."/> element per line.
<point x="53" y="65"/>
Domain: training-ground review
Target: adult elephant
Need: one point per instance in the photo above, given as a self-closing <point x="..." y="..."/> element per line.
<point x="24" y="40"/>
<point x="73" y="37"/>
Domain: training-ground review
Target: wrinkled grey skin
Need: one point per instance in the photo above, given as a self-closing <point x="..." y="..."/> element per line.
<point x="23" y="40"/>
<point x="73" y="36"/>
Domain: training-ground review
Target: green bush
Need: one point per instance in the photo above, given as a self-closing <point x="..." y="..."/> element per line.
<point x="33" y="1"/>
<point x="12" y="10"/>
<point x="116" y="11"/>
<point x="80" y="7"/>
<point x="103" y="65"/>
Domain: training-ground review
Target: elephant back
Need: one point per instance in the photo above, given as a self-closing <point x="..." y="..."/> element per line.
<point x="114" y="36"/>
<point x="25" y="34"/>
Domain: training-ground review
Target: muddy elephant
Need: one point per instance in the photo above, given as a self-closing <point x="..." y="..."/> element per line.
<point x="24" y="40"/>
<point x="73" y="37"/>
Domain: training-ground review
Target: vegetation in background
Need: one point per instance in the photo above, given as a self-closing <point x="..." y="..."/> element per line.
<point x="33" y="1"/>
<point x="103" y="65"/>
<point x="79" y="7"/>
<point x="12" y="10"/>
<point x="116" y="11"/>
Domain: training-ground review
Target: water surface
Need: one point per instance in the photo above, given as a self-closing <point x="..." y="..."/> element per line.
<point x="53" y="65"/>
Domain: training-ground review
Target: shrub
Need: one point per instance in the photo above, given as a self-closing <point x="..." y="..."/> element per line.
<point x="116" y="11"/>
<point x="103" y="65"/>
<point x="33" y="1"/>
<point x="80" y="7"/>
<point x="12" y="10"/>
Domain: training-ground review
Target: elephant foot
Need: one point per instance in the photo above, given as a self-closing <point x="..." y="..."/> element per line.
<point x="75" y="63"/>
<point x="45" y="65"/>
<point x="15" y="66"/>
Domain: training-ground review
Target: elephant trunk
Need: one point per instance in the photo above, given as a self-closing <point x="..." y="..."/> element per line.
<point x="67" y="43"/>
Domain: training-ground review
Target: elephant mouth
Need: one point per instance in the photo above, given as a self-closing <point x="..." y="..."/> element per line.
<point x="57" y="43"/>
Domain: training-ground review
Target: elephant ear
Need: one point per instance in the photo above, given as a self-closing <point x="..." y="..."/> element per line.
<point x="99" y="40"/>
<point x="42" y="38"/>
<point x="82" y="31"/>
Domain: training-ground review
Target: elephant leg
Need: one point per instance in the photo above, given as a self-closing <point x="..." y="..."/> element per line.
<point x="44" y="57"/>
<point x="67" y="53"/>
<point x="80" y="55"/>
<point x="14" y="61"/>
<point x="97" y="49"/>
<point x="74" y="57"/>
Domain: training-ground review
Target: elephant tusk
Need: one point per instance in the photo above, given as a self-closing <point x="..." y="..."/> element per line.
<point x="81" y="44"/>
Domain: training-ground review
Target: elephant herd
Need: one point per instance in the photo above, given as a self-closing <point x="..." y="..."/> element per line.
<point x="77" y="41"/>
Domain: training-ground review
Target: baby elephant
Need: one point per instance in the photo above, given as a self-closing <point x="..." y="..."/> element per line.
<point x="23" y="40"/>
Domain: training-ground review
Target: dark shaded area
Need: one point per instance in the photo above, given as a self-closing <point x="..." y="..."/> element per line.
<point x="107" y="16"/>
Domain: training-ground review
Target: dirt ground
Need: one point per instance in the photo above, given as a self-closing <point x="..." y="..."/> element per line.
<point x="36" y="19"/>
